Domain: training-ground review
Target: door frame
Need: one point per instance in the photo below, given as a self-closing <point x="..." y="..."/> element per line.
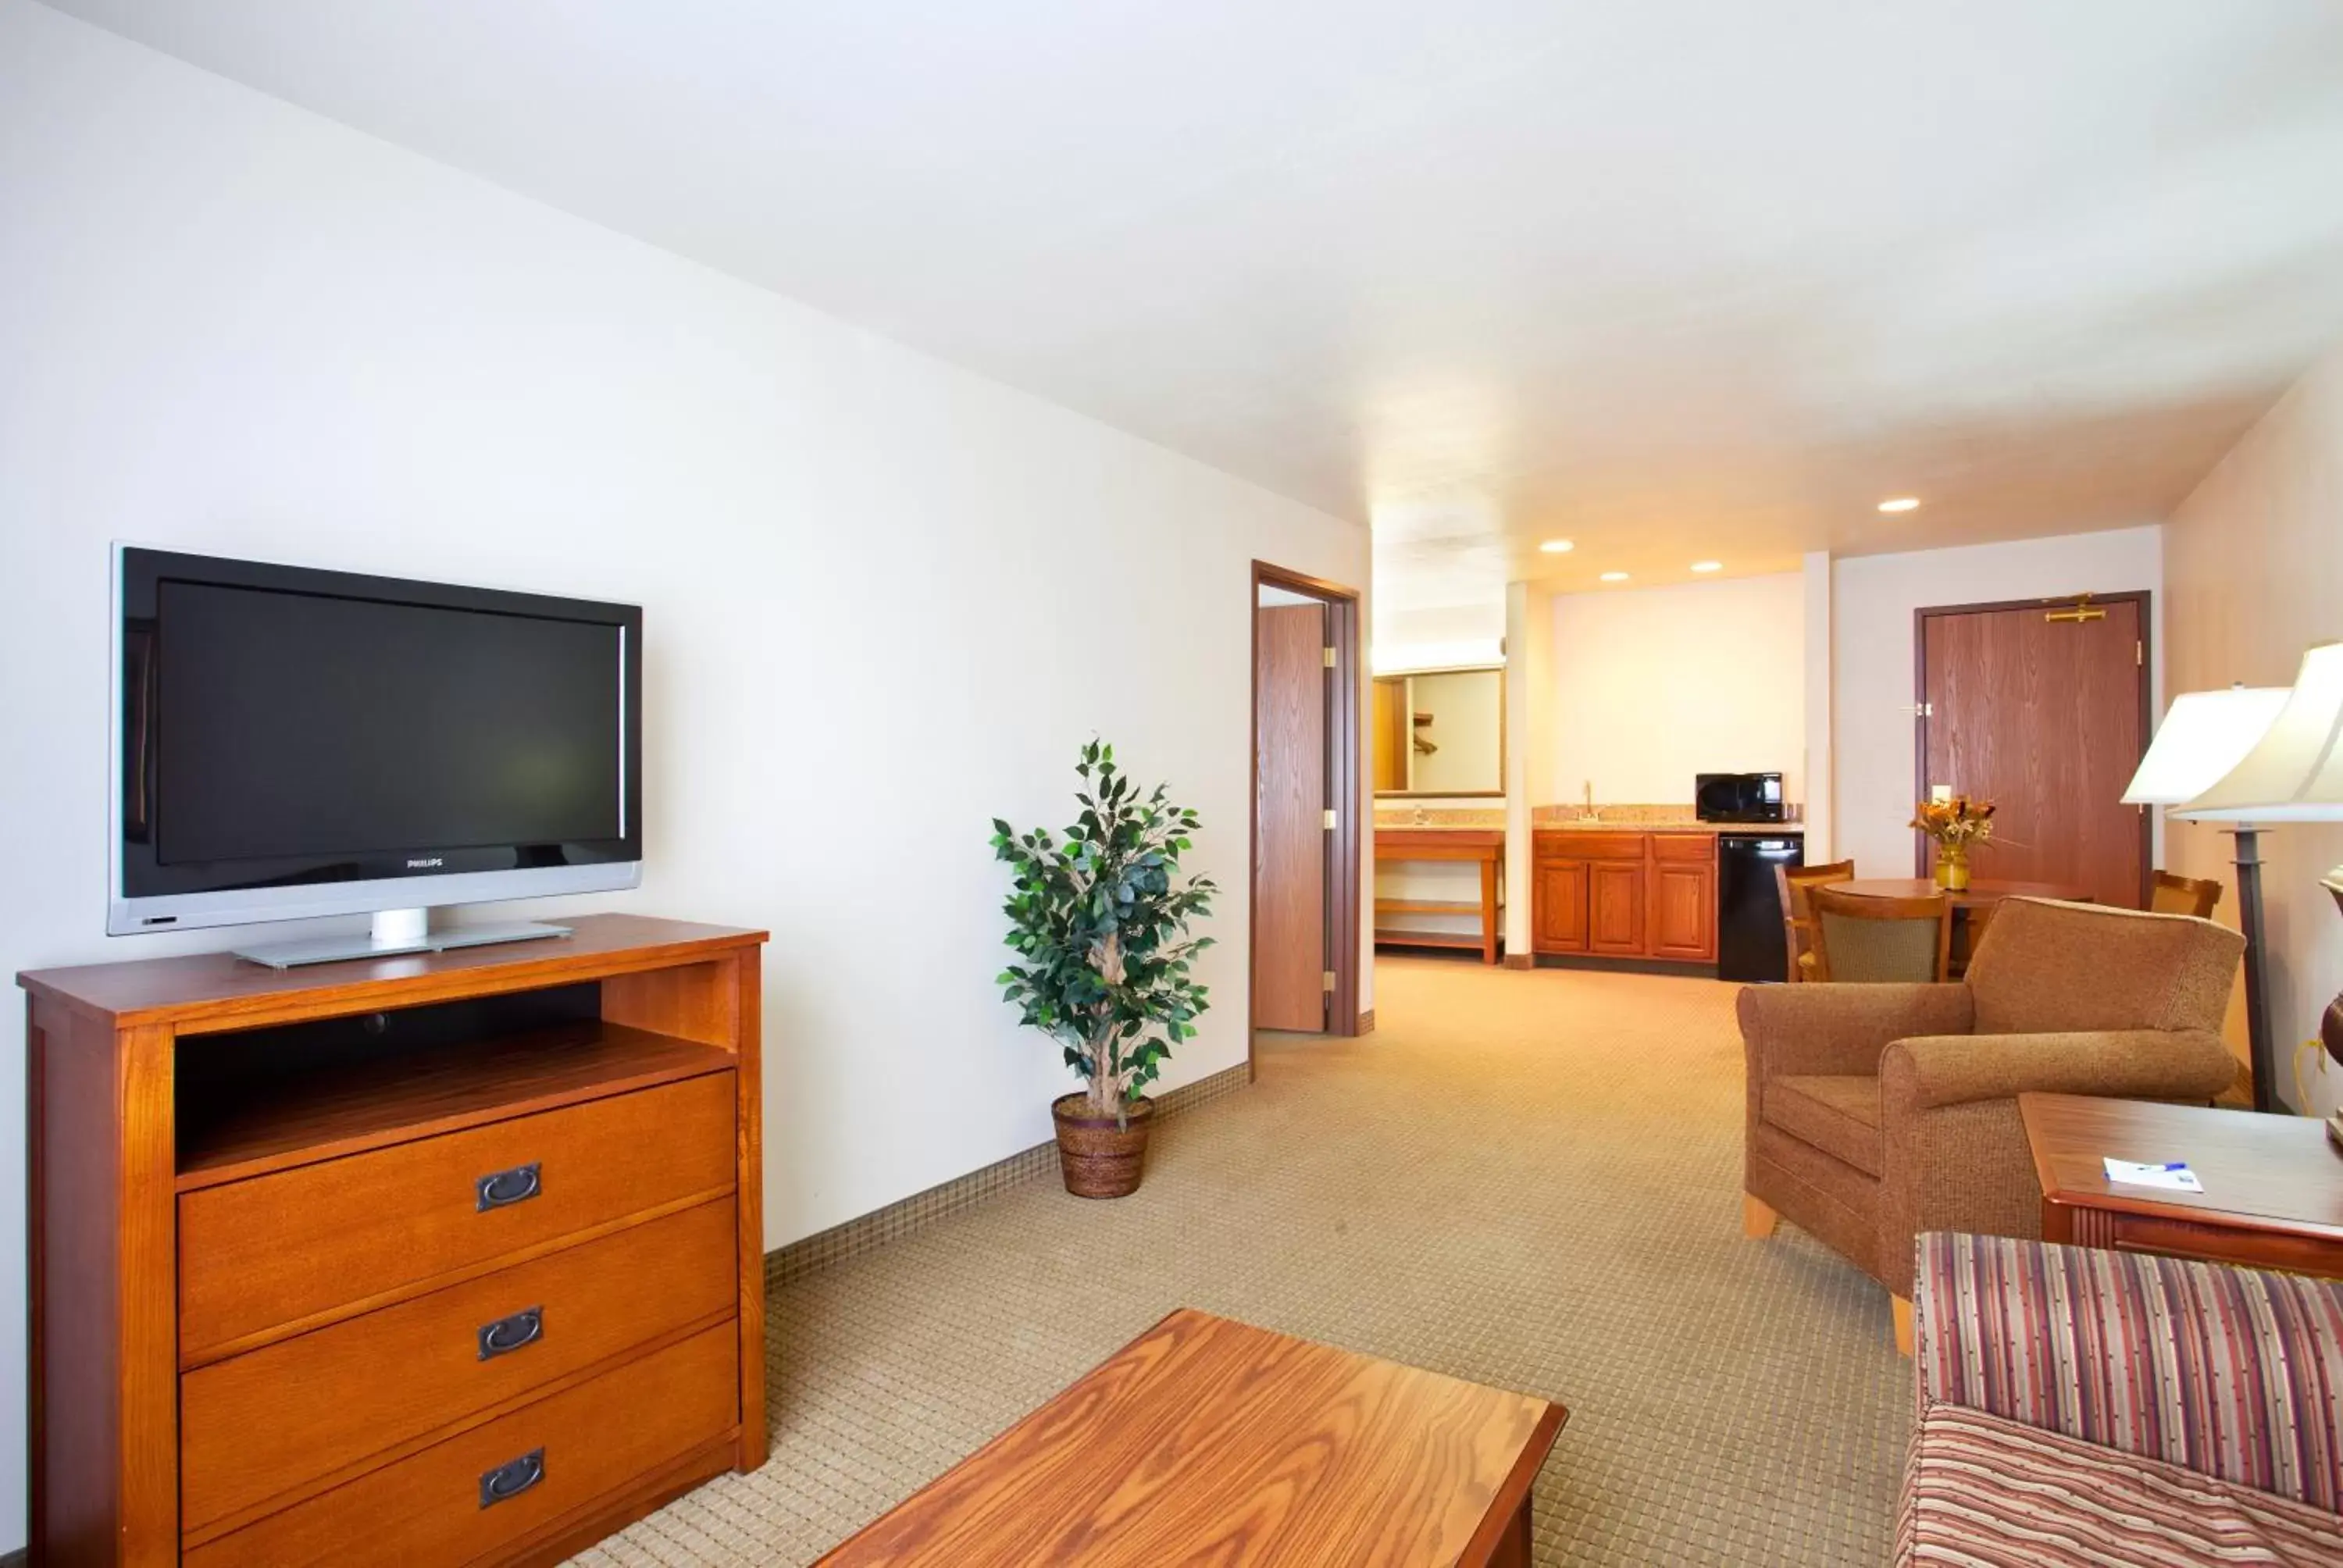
<point x="1345" y="785"/>
<point x="2143" y="597"/>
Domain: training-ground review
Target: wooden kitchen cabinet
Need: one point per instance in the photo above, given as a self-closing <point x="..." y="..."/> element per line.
<point x="1614" y="909"/>
<point x="1684" y="910"/>
<point x="1614" y="894"/>
<point x="1558" y="907"/>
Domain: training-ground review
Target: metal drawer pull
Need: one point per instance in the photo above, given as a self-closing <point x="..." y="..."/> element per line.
<point x="506" y="1335"/>
<point x="514" y="1186"/>
<point x="512" y="1478"/>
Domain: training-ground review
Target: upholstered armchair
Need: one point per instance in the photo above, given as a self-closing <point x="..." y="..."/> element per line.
<point x="1878" y="1111"/>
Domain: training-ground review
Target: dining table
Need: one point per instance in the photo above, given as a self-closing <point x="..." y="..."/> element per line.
<point x="1972" y="906"/>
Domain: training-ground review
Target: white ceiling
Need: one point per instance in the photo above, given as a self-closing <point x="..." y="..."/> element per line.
<point x="1674" y="278"/>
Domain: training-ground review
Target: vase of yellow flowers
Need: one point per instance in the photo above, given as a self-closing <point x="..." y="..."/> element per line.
<point x="1957" y="826"/>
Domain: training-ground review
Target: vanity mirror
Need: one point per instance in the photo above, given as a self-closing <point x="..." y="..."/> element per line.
<point x="1440" y="732"/>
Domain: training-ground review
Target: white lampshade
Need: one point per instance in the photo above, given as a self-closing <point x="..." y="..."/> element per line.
<point x="2204" y="735"/>
<point x="2295" y="772"/>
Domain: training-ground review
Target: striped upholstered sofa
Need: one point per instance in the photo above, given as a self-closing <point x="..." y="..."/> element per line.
<point x="2079" y="1406"/>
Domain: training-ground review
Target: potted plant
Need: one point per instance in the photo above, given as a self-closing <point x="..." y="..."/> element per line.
<point x="1098" y="919"/>
<point x="1957" y="826"/>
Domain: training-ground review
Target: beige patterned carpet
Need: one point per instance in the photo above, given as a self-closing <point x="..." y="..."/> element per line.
<point x="1526" y="1179"/>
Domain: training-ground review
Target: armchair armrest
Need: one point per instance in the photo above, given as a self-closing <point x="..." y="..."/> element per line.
<point x="1841" y="1029"/>
<point x="1926" y="1072"/>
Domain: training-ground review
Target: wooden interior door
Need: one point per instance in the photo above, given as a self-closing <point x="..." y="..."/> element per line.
<point x="1289" y="896"/>
<point x="2046" y="716"/>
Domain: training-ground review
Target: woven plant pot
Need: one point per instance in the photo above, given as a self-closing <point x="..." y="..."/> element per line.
<point x="1098" y="1159"/>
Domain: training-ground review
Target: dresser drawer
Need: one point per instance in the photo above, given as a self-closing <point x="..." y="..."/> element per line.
<point x="261" y="1423"/>
<point x="281" y="1249"/>
<point x="548" y="1458"/>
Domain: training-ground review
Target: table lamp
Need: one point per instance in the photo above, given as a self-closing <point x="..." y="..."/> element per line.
<point x="2204" y="737"/>
<point x="2294" y="773"/>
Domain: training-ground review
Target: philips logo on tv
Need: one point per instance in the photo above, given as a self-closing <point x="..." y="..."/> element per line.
<point x="426" y="865"/>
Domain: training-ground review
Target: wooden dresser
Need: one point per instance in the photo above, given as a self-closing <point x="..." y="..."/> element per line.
<point x="448" y="1259"/>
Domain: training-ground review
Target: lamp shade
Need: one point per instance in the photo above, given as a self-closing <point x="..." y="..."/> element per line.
<point x="2295" y="771"/>
<point x="2204" y="735"/>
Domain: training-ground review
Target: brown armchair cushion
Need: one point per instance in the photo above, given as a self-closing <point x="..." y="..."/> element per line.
<point x="1837" y="1114"/>
<point x="2045" y="968"/>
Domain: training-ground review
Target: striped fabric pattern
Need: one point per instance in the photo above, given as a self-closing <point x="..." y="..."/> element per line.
<point x="2233" y="1373"/>
<point x="1983" y="1491"/>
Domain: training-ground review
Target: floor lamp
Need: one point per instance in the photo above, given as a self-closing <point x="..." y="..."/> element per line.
<point x="2205" y="736"/>
<point x="2294" y="773"/>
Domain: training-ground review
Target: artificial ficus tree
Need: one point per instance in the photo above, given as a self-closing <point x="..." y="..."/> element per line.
<point x="1098" y="919"/>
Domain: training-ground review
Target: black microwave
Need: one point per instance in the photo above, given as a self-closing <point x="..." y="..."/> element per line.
<point x="1738" y="798"/>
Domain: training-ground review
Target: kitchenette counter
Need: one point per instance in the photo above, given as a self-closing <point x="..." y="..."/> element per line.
<point x="1631" y="825"/>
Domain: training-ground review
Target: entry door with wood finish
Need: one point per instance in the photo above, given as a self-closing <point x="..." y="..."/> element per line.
<point x="2042" y="708"/>
<point x="1289" y="901"/>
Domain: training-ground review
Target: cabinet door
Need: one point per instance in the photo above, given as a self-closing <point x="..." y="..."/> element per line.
<point x="1684" y="910"/>
<point x="1614" y="908"/>
<point x="1558" y="907"/>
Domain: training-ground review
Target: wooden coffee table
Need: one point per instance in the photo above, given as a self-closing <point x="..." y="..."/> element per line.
<point x="2273" y="1194"/>
<point x="1209" y="1440"/>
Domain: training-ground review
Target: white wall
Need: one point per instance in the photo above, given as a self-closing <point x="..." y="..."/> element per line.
<point x="1529" y="698"/>
<point x="2253" y="562"/>
<point x="1872" y="602"/>
<point x="1652" y="686"/>
<point x="1821" y="792"/>
<point x="228" y="326"/>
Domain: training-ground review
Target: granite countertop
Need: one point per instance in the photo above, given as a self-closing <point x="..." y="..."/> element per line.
<point x="1601" y="825"/>
<point x="1646" y="819"/>
<point x="1760" y="831"/>
<point x="1440" y="820"/>
<point x="1756" y="830"/>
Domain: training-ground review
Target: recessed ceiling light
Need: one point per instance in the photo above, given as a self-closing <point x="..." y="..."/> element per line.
<point x="1901" y="504"/>
<point x="1708" y="565"/>
<point x="1614" y="577"/>
<point x="1557" y="546"/>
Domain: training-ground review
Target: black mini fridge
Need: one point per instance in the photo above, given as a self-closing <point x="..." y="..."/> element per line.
<point x="1749" y="940"/>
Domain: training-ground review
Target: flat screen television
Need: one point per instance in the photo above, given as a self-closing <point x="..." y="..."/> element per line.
<point x="292" y="742"/>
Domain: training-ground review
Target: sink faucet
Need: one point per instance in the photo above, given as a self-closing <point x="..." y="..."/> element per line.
<point x="1591" y="813"/>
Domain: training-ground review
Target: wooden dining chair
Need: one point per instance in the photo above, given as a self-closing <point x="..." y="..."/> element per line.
<point x="2174" y="895"/>
<point x="1797" y="919"/>
<point x="1862" y="938"/>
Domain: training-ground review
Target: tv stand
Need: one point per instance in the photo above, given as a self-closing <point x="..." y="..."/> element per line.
<point x="454" y="1258"/>
<point x="395" y="932"/>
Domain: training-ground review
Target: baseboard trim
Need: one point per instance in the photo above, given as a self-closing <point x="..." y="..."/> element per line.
<point x="1366" y="1023"/>
<point x="1521" y="960"/>
<point x="1624" y="966"/>
<point x="921" y="1210"/>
